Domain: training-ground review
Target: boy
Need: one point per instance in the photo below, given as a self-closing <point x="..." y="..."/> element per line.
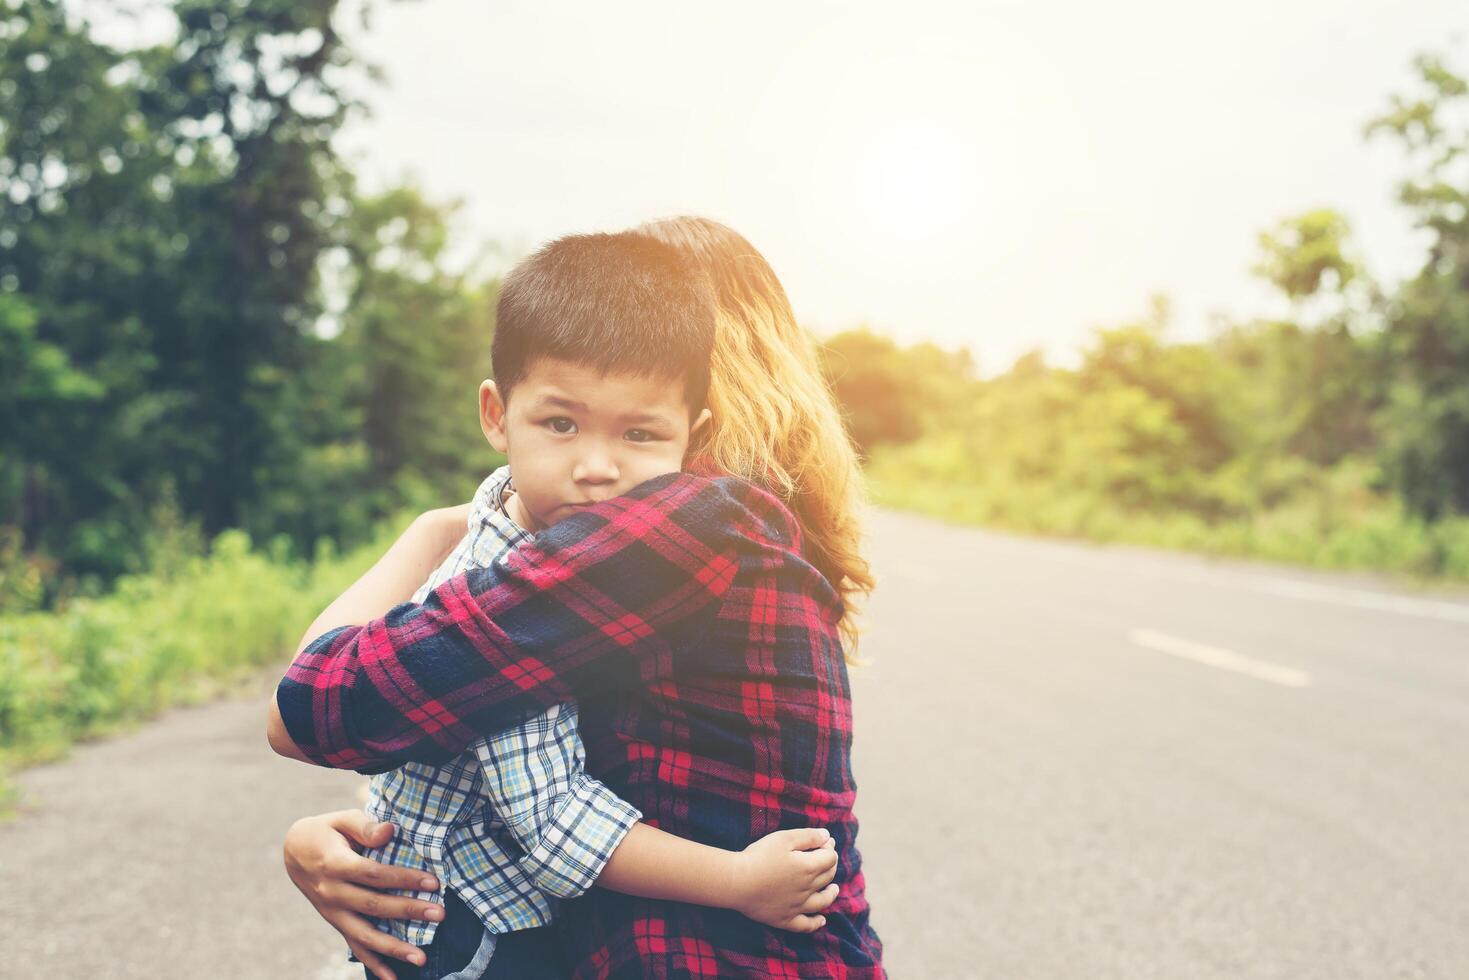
<point x="601" y="360"/>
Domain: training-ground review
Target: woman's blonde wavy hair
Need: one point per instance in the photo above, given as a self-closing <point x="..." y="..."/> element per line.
<point x="775" y="421"/>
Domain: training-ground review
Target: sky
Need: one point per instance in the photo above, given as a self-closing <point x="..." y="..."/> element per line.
<point x="990" y="174"/>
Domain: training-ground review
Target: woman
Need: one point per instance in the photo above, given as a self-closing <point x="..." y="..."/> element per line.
<point x="775" y="425"/>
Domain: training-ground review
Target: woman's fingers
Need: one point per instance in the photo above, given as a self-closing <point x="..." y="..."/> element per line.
<point x="365" y="871"/>
<point x="374" y="963"/>
<point x="821" y="899"/>
<point x="366" y="901"/>
<point x="322" y="861"/>
<point x="325" y="846"/>
<point x="362" y="937"/>
<point x="360" y="828"/>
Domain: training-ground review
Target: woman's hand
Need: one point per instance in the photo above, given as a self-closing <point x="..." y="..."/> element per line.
<point x="321" y="855"/>
<point x="784" y="879"/>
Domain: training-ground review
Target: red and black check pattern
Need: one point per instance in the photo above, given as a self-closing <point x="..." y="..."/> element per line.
<point x="703" y="650"/>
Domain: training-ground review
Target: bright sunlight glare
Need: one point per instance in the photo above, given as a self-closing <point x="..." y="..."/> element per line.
<point x="1009" y="176"/>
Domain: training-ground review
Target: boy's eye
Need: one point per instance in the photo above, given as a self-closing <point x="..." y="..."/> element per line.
<point x="561" y="425"/>
<point x="639" y="435"/>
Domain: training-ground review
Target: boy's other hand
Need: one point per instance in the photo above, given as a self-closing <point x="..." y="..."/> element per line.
<point x="784" y="879"/>
<point x="321" y="856"/>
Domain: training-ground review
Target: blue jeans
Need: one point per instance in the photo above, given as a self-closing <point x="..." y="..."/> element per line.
<point x="530" y="954"/>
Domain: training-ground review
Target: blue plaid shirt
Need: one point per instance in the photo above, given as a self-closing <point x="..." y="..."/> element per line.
<point x="514" y="823"/>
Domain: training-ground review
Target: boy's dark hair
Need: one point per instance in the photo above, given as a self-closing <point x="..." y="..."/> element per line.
<point x="619" y="302"/>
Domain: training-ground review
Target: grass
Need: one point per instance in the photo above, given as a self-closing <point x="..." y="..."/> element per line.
<point x="157" y="640"/>
<point x="1369" y="533"/>
<point x="205" y="623"/>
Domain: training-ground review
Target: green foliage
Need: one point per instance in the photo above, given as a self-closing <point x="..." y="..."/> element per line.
<point x="1300" y="392"/>
<point x="1425" y="423"/>
<point x="1307" y="253"/>
<point x="1329" y="520"/>
<point x="386" y="414"/>
<point x="206" y="332"/>
<point x="1258" y="443"/>
<point x="419" y="338"/>
<point x="1337" y="437"/>
<point x="890" y="395"/>
<point x="209" y="334"/>
<point x="196" y="625"/>
<point x="23" y="576"/>
<point x="195" y="300"/>
<point x="163" y="211"/>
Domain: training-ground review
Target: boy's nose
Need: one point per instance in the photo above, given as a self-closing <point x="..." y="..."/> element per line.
<point x="595" y="468"/>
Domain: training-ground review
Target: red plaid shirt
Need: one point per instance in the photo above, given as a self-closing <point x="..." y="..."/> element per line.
<point x="704" y="653"/>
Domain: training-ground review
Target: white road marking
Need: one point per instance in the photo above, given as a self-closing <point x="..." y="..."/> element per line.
<point x="1223" y="659"/>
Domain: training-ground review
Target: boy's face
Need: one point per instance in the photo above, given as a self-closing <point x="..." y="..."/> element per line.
<point x="576" y="436"/>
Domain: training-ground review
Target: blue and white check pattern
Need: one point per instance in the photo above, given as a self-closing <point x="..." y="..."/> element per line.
<point x="514" y="823"/>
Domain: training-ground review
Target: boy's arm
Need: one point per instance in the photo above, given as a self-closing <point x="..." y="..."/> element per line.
<point x="598" y="602"/>
<point x="783" y="880"/>
<point x="576" y="832"/>
<point x="566" y="823"/>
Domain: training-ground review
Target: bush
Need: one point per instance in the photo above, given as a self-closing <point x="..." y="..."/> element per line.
<point x="175" y="635"/>
<point x="1325" y="517"/>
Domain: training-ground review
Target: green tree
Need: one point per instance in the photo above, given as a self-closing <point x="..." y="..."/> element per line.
<point x="86" y="244"/>
<point x="1307" y="386"/>
<point x="162" y="212"/>
<point x="420" y="337"/>
<point x="254" y="92"/>
<point x="1183" y="377"/>
<point x="1306" y="254"/>
<point x="385" y="414"/>
<point x="1425" y="423"/>
<point x="38" y="387"/>
<point x="891" y="394"/>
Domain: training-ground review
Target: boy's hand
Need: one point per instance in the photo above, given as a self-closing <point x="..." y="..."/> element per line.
<point x="784" y="879"/>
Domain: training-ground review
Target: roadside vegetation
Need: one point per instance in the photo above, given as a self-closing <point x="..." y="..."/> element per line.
<point x="226" y="372"/>
<point x="1334" y="434"/>
<point x="199" y="622"/>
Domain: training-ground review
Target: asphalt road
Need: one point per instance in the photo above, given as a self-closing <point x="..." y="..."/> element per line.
<point x="1073" y="763"/>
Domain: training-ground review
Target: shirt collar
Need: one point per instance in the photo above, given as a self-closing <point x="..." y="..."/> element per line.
<point x="488" y="506"/>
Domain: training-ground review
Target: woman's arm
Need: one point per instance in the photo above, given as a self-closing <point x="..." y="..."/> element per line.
<point x="599" y="602"/>
<point x="391" y="581"/>
<point x="322" y="853"/>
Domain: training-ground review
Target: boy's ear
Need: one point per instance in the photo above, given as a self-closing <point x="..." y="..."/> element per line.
<point x="492" y="416"/>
